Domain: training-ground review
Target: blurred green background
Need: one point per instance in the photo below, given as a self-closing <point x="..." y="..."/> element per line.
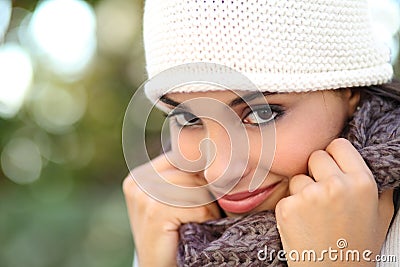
<point x="68" y="69"/>
<point x="67" y="72"/>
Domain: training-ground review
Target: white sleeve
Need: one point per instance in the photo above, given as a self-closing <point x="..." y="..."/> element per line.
<point x="390" y="252"/>
<point x="135" y="261"/>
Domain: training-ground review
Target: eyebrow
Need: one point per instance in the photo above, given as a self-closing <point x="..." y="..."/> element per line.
<point x="247" y="98"/>
<point x="237" y="101"/>
<point x="169" y="101"/>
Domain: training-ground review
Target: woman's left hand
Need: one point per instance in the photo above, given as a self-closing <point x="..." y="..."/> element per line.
<point x="336" y="211"/>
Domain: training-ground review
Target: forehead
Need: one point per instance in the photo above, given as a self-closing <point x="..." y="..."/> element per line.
<point x="234" y="98"/>
<point x="224" y="96"/>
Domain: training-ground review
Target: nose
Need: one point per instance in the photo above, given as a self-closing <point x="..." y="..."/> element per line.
<point x="218" y="151"/>
<point x="225" y="160"/>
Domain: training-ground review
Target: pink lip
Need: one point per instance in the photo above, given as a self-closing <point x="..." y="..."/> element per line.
<point x="245" y="201"/>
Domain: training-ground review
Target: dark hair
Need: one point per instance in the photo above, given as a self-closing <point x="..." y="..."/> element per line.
<point x="389" y="90"/>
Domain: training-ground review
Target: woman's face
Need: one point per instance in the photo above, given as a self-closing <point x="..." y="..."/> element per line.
<point x="304" y="123"/>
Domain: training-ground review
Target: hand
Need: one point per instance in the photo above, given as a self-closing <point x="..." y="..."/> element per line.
<point x="155" y="225"/>
<point x="339" y="200"/>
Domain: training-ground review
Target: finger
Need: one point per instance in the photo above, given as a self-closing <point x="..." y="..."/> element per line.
<point x="346" y="156"/>
<point x="158" y="164"/>
<point x="160" y="168"/>
<point x="183" y="178"/>
<point x="215" y="210"/>
<point x="298" y="182"/>
<point x="199" y="215"/>
<point x="129" y="186"/>
<point x="161" y="162"/>
<point x="321" y="165"/>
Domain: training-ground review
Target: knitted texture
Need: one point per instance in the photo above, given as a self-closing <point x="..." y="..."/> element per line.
<point x="236" y="241"/>
<point x="282" y="46"/>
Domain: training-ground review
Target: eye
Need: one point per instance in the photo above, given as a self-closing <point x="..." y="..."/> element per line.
<point x="260" y="115"/>
<point x="185" y="119"/>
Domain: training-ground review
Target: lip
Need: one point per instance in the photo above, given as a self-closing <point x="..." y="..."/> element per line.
<point x="245" y="201"/>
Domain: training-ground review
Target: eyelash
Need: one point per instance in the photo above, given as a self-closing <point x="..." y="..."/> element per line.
<point x="174" y="114"/>
<point x="275" y="110"/>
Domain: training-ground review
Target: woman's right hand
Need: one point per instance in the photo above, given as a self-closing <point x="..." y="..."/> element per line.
<point x="155" y="225"/>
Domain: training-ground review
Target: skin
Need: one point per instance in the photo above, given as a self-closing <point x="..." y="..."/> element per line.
<point x="311" y="167"/>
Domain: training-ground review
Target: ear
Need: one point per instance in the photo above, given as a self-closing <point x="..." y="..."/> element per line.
<point x="352" y="97"/>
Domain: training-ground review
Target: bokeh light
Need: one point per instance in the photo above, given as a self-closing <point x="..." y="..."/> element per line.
<point x="62" y="102"/>
<point x="64" y="30"/>
<point x="21" y="161"/>
<point x="57" y="109"/>
<point x="119" y="22"/>
<point x="385" y="15"/>
<point x="16" y="75"/>
<point x="5" y="11"/>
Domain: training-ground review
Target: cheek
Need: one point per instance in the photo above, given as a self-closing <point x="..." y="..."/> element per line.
<point x="298" y="138"/>
<point x="291" y="155"/>
<point x="188" y="144"/>
<point x="261" y="147"/>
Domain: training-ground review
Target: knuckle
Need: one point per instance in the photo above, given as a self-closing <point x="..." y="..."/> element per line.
<point x="335" y="187"/>
<point x="293" y="181"/>
<point x="362" y="181"/>
<point x="316" y="155"/>
<point x="338" y="143"/>
<point x="128" y="186"/>
<point x="312" y="193"/>
<point x="133" y="192"/>
<point x="366" y="185"/>
<point x="283" y="210"/>
<point x="323" y="193"/>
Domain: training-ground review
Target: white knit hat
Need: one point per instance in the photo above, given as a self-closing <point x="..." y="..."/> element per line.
<point x="281" y="46"/>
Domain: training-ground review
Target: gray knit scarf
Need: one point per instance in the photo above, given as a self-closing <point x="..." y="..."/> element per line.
<point x="373" y="131"/>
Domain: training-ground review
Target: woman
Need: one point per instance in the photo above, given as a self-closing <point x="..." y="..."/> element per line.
<point x="316" y="64"/>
